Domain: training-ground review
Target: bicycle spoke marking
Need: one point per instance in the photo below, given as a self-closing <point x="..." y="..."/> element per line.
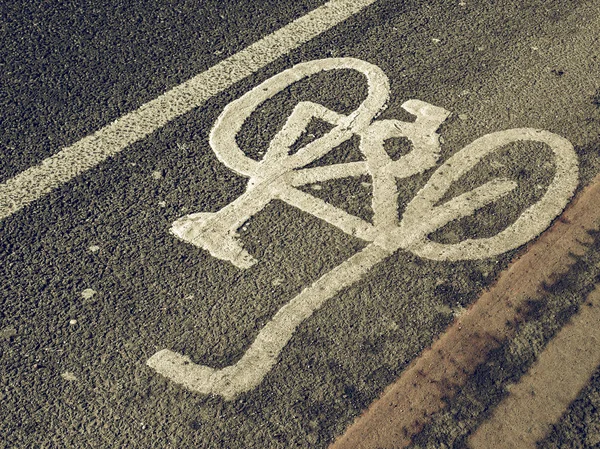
<point x="279" y="173"/>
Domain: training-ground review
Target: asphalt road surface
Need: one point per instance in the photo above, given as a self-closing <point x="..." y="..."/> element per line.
<point x="95" y="285"/>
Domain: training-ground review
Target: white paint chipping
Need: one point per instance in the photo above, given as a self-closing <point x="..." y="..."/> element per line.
<point x="69" y="376"/>
<point x="40" y="180"/>
<point x="279" y="172"/>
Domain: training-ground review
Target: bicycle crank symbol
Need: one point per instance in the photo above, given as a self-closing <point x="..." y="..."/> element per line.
<point x="279" y="173"/>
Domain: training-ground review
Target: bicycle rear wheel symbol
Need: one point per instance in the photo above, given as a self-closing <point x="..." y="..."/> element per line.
<point x="278" y="175"/>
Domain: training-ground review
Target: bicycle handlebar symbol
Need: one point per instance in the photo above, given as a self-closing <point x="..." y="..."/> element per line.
<point x="279" y="173"/>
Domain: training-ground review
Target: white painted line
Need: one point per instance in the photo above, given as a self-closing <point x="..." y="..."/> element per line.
<point x="543" y="394"/>
<point x="38" y="181"/>
<point x="275" y="176"/>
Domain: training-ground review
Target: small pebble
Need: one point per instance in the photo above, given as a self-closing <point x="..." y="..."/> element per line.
<point x="67" y="375"/>
<point x="393" y="326"/>
<point x="157" y="174"/>
<point x="94" y="248"/>
<point x="88" y="293"/>
<point x="316" y="187"/>
<point x="463" y="116"/>
<point x="73" y="322"/>
<point x="8" y="332"/>
<point x="162" y="203"/>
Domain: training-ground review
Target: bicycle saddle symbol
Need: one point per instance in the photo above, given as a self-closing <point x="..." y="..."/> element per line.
<point x="279" y="173"/>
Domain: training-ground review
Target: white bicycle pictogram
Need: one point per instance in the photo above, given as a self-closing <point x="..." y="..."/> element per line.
<point x="279" y="174"/>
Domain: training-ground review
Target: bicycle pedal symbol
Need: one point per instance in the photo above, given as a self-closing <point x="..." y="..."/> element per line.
<point x="279" y="174"/>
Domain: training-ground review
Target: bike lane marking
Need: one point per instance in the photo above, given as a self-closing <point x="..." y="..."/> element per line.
<point x="270" y="178"/>
<point x="52" y="172"/>
<point x="438" y="373"/>
<point x="543" y="395"/>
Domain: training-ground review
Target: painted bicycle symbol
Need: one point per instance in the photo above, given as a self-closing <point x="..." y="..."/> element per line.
<point x="279" y="174"/>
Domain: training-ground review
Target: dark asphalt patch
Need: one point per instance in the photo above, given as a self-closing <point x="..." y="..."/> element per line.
<point x="70" y="68"/>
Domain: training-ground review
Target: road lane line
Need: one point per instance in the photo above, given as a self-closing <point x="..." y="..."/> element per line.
<point x="439" y="372"/>
<point x="543" y="395"/>
<point x="40" y="180"/>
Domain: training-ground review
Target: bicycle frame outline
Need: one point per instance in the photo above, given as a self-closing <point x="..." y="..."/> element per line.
<point x="278" y="174"/>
